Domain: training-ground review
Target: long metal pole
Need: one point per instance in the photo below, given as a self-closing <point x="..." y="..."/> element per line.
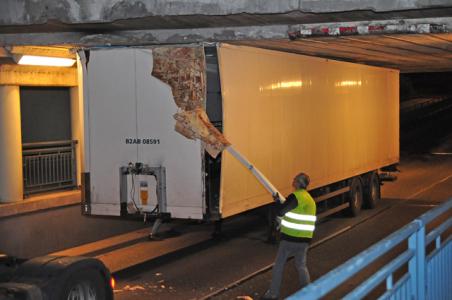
<point x="260" y="177"/>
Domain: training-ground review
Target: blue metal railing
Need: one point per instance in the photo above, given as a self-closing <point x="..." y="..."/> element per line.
<point x="428" y="275"/>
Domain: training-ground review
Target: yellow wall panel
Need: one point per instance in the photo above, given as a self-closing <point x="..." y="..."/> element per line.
<point x="289" y="113"/>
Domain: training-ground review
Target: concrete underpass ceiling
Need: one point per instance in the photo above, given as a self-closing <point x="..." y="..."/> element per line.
<point x="259" y="23"/>
<point x="117" y="22"/>
<point x="410" y="53"/>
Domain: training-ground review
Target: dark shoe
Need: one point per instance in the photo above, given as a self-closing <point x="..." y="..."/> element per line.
<point x="155" y="237"/>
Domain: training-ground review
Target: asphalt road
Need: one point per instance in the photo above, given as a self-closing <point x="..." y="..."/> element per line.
<point x="208" y="267"/>
<point x="204" y="270"/>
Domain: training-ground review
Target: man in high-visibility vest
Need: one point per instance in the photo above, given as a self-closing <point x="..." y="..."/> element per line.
<point x="297" y="228"/>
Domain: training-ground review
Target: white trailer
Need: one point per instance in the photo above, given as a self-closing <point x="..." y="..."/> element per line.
<point x="287" y="113"/>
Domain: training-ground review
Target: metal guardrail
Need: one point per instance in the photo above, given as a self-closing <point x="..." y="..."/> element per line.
<point x="428" y="272"/>
<point x="49" y="166"/>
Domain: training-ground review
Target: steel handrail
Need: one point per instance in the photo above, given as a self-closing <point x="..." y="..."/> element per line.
<point x="378" y="277"/>
<point x="415" y="255"/>
<point x="49" y="166"/>
<point x="435" y="233"/>
<point x="435" y="212"/>
<point x="334" y="278"/>
<point x="49" y="144"/>
<point x="43" y="151"/>
<point x="388" y="294"/>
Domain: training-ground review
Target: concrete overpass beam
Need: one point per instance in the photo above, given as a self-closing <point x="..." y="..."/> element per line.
<point x="30" y="12"/>
<point x="199" y="35"/>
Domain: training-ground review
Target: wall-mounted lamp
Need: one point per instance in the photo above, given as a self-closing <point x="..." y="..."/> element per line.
<point x="45" y="61"/>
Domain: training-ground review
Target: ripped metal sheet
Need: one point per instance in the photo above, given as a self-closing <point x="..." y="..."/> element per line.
<point x="195" y="124"/>
<point x="184" y="70"/>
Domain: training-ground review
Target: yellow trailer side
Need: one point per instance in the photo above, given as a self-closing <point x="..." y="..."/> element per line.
<point x="289" y="113"/>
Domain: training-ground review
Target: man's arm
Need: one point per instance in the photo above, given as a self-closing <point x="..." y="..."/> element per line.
<point x="290" y="203"/>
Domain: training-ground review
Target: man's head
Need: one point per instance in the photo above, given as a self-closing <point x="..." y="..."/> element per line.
<point x="301" y="181"/>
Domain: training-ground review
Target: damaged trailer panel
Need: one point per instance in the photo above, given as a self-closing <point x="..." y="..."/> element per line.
<point x="129" y="116"/>
<point x="286" y="113"/>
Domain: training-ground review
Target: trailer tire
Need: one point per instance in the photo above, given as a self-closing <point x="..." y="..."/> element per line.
<point x="372" y="192"/>
<point x="84" y="284"/>
<point x="355" y="196"/>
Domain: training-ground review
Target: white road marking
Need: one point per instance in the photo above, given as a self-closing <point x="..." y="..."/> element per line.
<point x="429" y="187"/>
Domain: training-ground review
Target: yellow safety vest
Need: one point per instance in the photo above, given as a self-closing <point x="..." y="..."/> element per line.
<point x="300" y="221"/>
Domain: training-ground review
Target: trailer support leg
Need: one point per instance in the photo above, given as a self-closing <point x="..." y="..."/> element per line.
<point x="155" y="228"/>
<point x="217" y="231"/>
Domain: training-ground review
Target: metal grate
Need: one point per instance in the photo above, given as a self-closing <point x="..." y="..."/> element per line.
<point x="439" y="271"/>
<point x="49" y="166"/>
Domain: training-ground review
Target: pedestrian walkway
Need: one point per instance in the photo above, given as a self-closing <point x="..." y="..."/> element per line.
<point x="133" y="248"/>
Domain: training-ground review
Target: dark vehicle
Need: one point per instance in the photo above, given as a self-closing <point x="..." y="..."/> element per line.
<point x="54" y="278"/>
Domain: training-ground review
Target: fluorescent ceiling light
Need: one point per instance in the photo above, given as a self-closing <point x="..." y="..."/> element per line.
<point x="46" y="61"/>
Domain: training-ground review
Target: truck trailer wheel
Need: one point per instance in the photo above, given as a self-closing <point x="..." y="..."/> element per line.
<point x="84" y="285"/>
<point x="355" y="196"/>
<point x="372" y="191"/>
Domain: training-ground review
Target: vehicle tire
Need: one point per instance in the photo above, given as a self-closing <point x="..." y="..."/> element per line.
<point x="355" y="196"/>
<point x="84" y="285"/>
<point x="372" y="192"/>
